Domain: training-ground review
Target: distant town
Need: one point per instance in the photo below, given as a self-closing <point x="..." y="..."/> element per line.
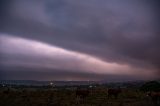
<point x="70" y="83"/>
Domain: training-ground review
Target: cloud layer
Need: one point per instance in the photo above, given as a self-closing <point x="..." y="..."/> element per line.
<point x="86" y="37"/>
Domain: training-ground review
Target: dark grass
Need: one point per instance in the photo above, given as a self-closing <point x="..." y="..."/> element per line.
<point x="48" y="97"/>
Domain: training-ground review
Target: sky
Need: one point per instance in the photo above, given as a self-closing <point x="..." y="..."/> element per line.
<point x="74" y="40"/>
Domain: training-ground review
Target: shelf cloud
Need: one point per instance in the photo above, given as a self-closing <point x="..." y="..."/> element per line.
<point x="79" y="40"/>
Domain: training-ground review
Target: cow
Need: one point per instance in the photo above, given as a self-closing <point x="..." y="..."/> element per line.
<point x="6" y="91"/>
<point x="82" y="93"/>
<point x="155" y="96"/>
<point x="114" y="92"/>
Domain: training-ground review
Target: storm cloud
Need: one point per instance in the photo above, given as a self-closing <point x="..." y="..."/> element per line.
<point x="120" y="36"/>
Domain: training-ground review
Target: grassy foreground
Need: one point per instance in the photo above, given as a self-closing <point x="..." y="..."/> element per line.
<point x="64" y="97"/>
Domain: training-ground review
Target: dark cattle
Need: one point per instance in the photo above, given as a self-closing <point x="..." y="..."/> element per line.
<point x="155" y="96"/>
<point x="82" y="93"/>
<point x="6" y="91"/>
<point x="114" y="92"/>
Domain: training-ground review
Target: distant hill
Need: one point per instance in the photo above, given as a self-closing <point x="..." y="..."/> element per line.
<point x="45" y="83"/>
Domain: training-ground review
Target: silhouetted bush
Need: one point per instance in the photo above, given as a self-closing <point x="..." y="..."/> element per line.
<point x="151" y="86"/>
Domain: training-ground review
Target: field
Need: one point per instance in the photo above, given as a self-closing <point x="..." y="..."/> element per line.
<point x="67" y="97"/>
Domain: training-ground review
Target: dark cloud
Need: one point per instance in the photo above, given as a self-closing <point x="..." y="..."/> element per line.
<point x="40" y="74"/>
<point x="123" y="32"/>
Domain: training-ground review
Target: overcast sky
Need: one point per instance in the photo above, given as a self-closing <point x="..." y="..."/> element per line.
<point x="112" y="40"/>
